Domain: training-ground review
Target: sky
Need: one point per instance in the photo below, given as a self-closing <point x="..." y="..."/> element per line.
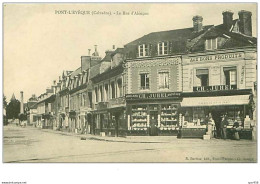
<point x="41" y="41"/>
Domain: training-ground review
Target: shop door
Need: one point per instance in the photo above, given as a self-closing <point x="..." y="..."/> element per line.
<point x="153" y="130"/>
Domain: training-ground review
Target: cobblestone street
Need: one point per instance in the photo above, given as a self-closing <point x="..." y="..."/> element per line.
<point x="34" y="145"/>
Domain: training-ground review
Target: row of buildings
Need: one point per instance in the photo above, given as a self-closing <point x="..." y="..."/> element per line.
<point x="169" y="80"/>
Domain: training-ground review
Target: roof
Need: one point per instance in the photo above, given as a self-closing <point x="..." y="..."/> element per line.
<point x="76" y="72"/>
<point x="177" y="34"/>
<point x="94" y="70"/>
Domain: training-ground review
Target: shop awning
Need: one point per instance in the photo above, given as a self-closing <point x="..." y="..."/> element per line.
<point x="215" y="101"/>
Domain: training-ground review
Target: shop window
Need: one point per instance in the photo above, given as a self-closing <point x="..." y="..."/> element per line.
<point x="211" y="44"/>
<point x="230" y="75"/>
<point x="119" y="87"/>
<point x="144" y="81"/>
<point x="143" y="50"/>
<point x="113" y="92"/>
<point x="163" y="80"/>
<point x="163" y="48"/>
<point x="203" y="75"/>
<point x="139" y="117"/>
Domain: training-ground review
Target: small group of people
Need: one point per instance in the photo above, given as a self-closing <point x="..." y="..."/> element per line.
<point x="223" y="128"/>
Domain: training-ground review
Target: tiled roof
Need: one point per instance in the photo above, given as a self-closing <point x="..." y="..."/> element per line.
<point x="178" y="34"/>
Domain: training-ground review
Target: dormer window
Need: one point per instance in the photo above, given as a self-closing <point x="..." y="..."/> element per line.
<point x="163" y="48"/>
<point x="143" y="50"/>
<point x="211" y="44"/>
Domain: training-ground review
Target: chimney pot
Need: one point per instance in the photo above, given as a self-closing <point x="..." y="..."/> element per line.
<point x="197" y="23"/>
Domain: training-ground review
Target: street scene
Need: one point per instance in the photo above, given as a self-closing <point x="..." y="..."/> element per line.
<point x="28" y="144"/>
<point x="123" y="83"/>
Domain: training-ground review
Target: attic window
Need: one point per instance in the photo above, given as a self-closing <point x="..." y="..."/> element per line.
<point x="211" y="44"/>
<point x="143" y="50"/>
<point x="163" y="48"/>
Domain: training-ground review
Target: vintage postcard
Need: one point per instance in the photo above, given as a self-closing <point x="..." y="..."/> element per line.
<point x="130" y="82"/>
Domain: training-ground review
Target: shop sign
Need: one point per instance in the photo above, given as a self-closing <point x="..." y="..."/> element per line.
<point x="214" y="88"/>
<point x="217" y="57"/>
<point x="153" y="95"/>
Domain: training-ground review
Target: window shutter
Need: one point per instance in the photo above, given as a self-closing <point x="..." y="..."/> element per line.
<point x="150" y="48"/>
<point x="168" y="47"/>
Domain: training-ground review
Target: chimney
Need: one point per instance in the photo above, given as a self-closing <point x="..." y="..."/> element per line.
<point x="85" y="62"/>
<point x="245" y="22"/>
<point x="227" y="19"/>
<point x="21" y="103"/>
<point x="89" y="51"/>
<point x="113" y="47"/>
<point x="197" y="23"/>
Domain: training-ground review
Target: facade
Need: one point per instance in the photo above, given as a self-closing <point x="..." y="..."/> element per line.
<point x="219" y="80"/>
<point x="109" y="110"/>
<point x="46" y="109"/>
<point x="164" y="83"/>
<point x="31" y="110"/>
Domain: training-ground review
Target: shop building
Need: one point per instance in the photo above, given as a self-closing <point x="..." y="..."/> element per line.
<point x="108" y="113"/>
<point x="62" y="98"/>
<point x="80" y="93"/>
<point x="154" y="79"/>
<point x="219" y="75"/>
<point x="46" y="109"/>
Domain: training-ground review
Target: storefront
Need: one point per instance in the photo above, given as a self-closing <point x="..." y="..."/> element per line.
<point x="109" y="118"/>
<point x="153" y="113"/>
<point x="201" y="107"/>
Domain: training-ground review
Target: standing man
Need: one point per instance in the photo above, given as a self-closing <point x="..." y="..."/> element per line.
<point x="223" y="127"/>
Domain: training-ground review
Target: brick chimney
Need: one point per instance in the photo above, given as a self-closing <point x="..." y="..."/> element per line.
<point x="245" y="22"/>
<point x="21" y="103"/>
<point x="227" y="19"/>
<point x="197" y="23"/>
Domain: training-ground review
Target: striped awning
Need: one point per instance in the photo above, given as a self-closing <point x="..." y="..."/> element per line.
<point x="215" y="101"/>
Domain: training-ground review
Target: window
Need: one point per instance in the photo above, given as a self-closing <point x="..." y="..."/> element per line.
<point x="203" y="75"/>
<point x="119" y="87"/>
<point x="113" y="92"/>
<point x="143" y="50"/>
<point x="230" y="75"/>
<point x="101" y="93"/>
<point x="96" y="94"/>
<point x="163" y="80"/>
<point x="211" y="44"/>
<point x="144" y="81"/>
<point x="163" y="48"/>
<point x="106" y="97"/>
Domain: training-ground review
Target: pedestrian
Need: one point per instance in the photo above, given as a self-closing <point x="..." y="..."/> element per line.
<point x="235" y="130"/>
<point x="223" y="127"/>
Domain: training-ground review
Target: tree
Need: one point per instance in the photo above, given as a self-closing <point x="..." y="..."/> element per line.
<point x="13" y="109"/>
<point x="4" y="101"/>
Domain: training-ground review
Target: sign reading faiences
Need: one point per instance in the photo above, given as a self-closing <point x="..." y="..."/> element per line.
<point x="215" y="88"/>
<point x="153" y="95"/>
<point x="217" y="57"/>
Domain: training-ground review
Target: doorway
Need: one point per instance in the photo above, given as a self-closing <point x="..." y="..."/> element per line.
<point x="153" y="130"/>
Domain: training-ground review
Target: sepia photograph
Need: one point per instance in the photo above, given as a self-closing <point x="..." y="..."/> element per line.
<point x="129" y="83"/>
